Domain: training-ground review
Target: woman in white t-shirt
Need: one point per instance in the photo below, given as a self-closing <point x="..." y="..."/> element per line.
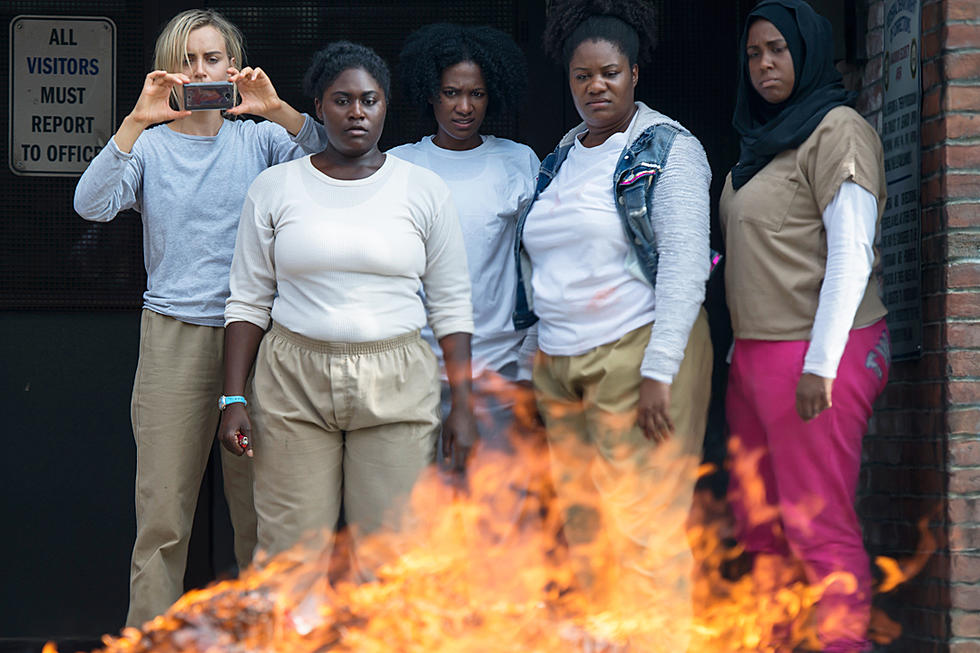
<point x="332" y="249"/>
<point x="457" y="75"/>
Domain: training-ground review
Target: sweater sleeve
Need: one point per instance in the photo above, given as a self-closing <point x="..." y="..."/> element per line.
<point x="111" y="183"/>
<point x="529" y="344"/>
<point x="253" y="268"/>
<point x="446" y="280"/>
<point x="680" y="219"/>
<point x="310" y="139"/>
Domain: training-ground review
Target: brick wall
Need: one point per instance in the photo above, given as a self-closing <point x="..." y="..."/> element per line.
<point x="922" y="455"/>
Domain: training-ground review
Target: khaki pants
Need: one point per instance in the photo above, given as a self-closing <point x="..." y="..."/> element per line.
<point x="626" y="499"/>
<point x="175" y="416"/>
<point x="332" y="420"/>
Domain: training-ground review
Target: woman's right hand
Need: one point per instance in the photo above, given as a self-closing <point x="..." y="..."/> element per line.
<point x="235" y="423"/>
<point x="153" y="105"/>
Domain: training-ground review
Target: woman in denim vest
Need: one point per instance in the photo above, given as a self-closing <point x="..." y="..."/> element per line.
<point x="612" y="261"/>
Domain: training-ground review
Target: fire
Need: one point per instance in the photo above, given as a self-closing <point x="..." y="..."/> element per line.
<point x="465" y="575"/>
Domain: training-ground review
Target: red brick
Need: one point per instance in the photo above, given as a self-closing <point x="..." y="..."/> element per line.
<point x="961" y="510"/>
<point x="869" y="100"/>
<point x="964" y="481"/>
<point x="964" y="453"/>
<point x="872" y="71"/>
<point x="932" y="161"/>
<point x="933" y="248"/>
<point x="965" y="568"/>
<point x="963" y="334"/>
<point x="963" y="275"/>
<point x="962" y="9"/>
<point x="874" y="42"/>
<point x="964" y="538"/>
<point x="933" y="279"/>
<point x="931" y="103"/>
<point x="922" y="395"/>
<point x="932" y="74"/>
<point x="933" y="307"/>
<point x="933" y="132"/>
<point x="963" y="244"/>
<point x="931" y="44"/>
<point x="962" y="126"/>
<point x="964" y="421"/>
<point x="931" y="16"/>
<point x="961" y="98"/>
<point x="962" y="156"/>
<point x="964" y="392"/>
<point x="963" y="215"/>
<point x="933" y="337"/>
<point x="932" y="191"/>
<point x="964" y="304"/>
<point x="961" y="35"/>
<point x="962" y="65"/>
<point x="876" y="15"/>
<point x="932" y="221"/>
<point x="965" y="624"/>
<point x="962" y="364"/>
<point x="965" y="597"/>
<point x="962" y="186"/>
<point x="963" y="646"/>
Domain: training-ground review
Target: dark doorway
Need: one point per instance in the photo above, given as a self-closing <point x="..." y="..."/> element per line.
<point x="71" y="290"/>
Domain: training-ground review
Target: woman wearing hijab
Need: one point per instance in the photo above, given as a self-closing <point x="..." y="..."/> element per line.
<point x="800" y="211"/>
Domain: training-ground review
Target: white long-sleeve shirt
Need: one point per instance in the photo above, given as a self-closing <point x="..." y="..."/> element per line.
<point x="850" y="224"/>
<point x="342" y="260"/>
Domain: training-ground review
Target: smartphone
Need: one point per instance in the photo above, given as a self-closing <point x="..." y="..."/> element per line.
<point x="203" y="96"/>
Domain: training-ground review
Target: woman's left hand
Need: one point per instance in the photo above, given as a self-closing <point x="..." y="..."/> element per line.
<point x="259" y="96"/>
<point x="459" y="435"/>
<point x="653" y="411"/>
<point x="813" y="395"/>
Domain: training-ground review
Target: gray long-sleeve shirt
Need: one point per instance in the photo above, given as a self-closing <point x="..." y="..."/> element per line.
<point x="189" y="191"/>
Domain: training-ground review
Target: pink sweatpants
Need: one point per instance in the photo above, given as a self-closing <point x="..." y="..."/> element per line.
<point x="804" y="505"/>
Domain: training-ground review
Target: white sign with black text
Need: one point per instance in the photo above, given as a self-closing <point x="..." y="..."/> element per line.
<point x="901" y="270"/>
<point x="62" y="92"/>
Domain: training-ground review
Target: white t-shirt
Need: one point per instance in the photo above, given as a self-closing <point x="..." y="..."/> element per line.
<point x="490" y="184"/>
<point x="342" y="260"/>
<point x="583" y="293"/>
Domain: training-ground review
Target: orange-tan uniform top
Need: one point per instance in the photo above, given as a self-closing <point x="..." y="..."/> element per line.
<point x="774" y="233"/>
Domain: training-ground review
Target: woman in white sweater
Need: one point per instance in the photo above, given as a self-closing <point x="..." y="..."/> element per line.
<point x="332" y="249"/>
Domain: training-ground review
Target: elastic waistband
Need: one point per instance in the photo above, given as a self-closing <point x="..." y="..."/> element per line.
<point x="324" y="347"/>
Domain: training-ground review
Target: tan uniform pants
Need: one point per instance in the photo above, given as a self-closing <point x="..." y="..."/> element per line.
<point x="175" y="416"/>
<point x="332" y="420"/>
<point x="626" y="499"/>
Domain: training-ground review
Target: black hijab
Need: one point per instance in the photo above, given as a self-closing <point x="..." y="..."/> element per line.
<point x="768" y="129"/>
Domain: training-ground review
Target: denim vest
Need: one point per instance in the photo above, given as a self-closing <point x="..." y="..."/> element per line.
<point x="636" y="175"/>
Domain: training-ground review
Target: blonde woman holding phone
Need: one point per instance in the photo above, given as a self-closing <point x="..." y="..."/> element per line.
<point x="187" y="178"/>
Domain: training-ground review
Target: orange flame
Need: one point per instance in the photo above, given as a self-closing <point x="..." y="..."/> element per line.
<point x="482" y="568"/>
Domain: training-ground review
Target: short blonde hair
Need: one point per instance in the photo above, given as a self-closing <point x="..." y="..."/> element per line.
<point x="170" y="53"/>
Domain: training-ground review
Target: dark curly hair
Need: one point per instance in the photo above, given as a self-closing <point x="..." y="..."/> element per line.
<point x="428" y="51"/>
<point x="339" y="56"/>
<point x="630" y="25"/>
